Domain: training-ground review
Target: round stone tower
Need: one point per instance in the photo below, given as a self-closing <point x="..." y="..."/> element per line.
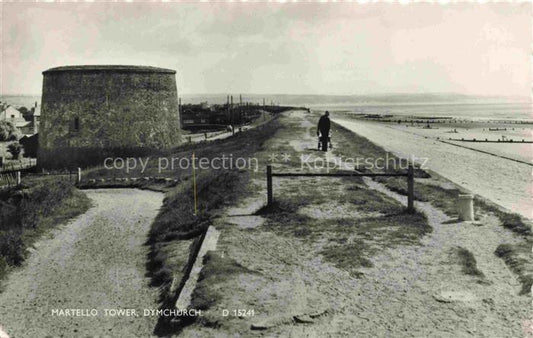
<point x="106" y="109"/>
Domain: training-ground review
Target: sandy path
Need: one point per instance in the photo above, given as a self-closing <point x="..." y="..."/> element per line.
<point x="94" y="262"/>
<point x="502" y="181"/>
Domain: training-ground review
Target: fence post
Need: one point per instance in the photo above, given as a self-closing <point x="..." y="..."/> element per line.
<point x="269" y="185"/>
<point x="18" y="178"/>
<point x="410" y="189"/>
<point x="78" y="178"/>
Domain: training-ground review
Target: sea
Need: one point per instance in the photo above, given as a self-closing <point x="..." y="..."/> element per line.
<point x="513" y="111"/>
<point x="18" y="101"/>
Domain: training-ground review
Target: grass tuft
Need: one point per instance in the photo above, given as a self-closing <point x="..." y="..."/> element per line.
<point x="468" y="262"/>
<point x="518" y="259"/>
<point x="349" y="256"/>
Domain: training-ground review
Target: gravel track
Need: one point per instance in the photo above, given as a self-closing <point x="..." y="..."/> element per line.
<point x="95" y="262"/>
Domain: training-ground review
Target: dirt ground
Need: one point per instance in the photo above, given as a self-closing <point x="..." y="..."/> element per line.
<point x="95" y="262"/>
<point x="407" y="290"/>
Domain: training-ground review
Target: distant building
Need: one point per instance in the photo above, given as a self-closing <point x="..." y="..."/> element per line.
<point x="203" y="117"/>
<point x="10" y="113"/>
<point x="13" y="115"/>
<point x="36" y="118"/>
<point x="29" y="128"/>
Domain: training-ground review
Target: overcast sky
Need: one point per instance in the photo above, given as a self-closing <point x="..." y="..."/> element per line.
<point x="315" y="48"/>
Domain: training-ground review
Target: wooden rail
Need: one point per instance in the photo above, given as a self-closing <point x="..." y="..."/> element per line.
<point x="9" y="179"/>
<point x="20" y="166"/>
<point x="13" y="178"/>
<point x="409" y="174"/>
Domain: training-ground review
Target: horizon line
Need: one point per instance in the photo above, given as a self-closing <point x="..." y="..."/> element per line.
<point x="329" y="94"/>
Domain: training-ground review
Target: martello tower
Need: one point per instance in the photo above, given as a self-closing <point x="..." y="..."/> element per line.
<point x="105" y="109"/>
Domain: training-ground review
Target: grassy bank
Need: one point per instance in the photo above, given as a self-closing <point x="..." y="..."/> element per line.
<point x="177" y="228"/>
<point x="364" y="220"/>
<point x="444" y="197"/>
<point x="27" y="213"/>
<point x="446" y="200"/>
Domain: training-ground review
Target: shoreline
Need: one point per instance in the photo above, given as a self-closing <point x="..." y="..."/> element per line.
<point x="497" y="179"/>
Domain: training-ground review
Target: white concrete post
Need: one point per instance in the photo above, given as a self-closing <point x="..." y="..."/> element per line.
<point x="465" y="207"/>
<point x="18" y="178"/>
<point x="78" y="178"/>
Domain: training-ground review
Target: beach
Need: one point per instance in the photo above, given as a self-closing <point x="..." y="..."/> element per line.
<point x="501" y="180"/>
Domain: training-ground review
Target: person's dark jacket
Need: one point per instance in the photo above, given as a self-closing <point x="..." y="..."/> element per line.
<point x="324" y="125"/>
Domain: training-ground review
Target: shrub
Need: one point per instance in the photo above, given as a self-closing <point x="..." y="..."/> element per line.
<point x="7" y="131"/>
<point x="3" y="267"/>
<point x="43" y="201"/>
<point x="7" y="215"/>
<point x="14" y="136"/>
<point x="14" y="149"/>
<point x="25" y="215"/>
<point x="12" y="247"/>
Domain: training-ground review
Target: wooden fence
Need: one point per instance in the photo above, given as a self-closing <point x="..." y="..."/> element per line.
<point x="18" y="166"/>
<point x="409" y="174"/>
<point x="9" y="179"/>
<point x="13" y="178"/>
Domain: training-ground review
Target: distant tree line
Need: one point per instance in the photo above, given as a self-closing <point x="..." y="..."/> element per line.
<point x="27" y="113"/>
